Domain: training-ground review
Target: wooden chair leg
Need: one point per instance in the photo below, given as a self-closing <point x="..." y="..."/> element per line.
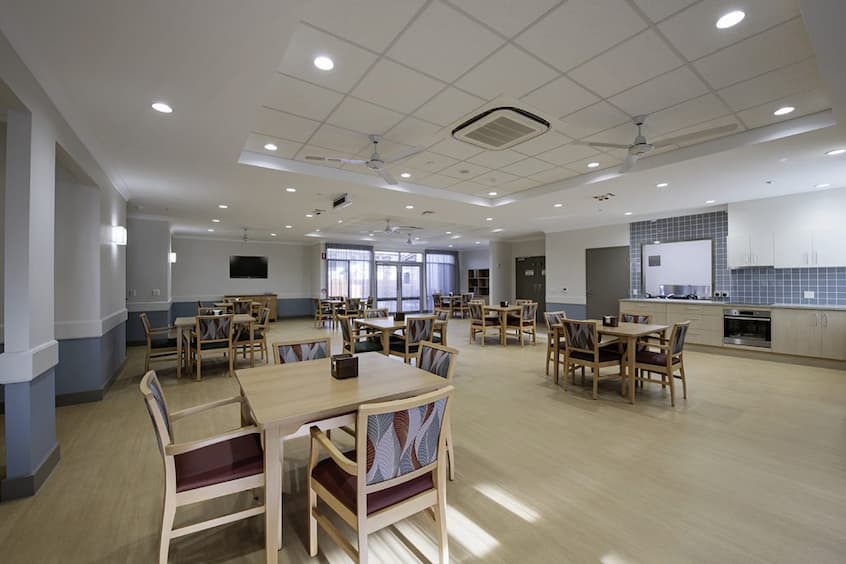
<point x="684" y="381"/>
<point x="440" y="520"/>
<point x="362" y="541"/>
<point x="147" y="362"/>
<point x="672" y="390"/>
<point x="199" y="365"/>
<point x="168" y="514"/>
<point x="549" y="353"/>
<point x="594" y="370"/>
<point x="312" y="520"/>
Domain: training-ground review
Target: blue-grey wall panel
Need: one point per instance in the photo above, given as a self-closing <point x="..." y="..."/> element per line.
<point x="294" y="307"/>
<point x="134" y="329"/>
<point x="87" y="365"/>
<point x="30" y="424"/>
<point x="574" y="311"/>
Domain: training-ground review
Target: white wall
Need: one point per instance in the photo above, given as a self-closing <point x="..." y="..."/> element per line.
<point x="565" y="259"/>
<point x="2" y="219"/>
<point x="501" y="270"/>
<point x="147" y="266"/>
<point x="112" y="257"/>
<point x="471" y="260"/>
<point x="202" y="269"/>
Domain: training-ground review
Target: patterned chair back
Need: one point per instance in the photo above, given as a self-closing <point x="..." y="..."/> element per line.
<point x="678" y="336"/>
<point x="157" y="408"/>
<point x="376" y="313"/>
<point x="146" y="323"/>
<point x="465" y="299"/>
<point x="642" y="318"/>
<point x="476" y="311"/>
<point x="211" y="328"/>
<point x="436" y="300"/>
<point x="580" y="335"/>
<point x="419" y="329"/>
<point x="522" y="301"/>
<point x="263" y="318"/>
<point x="437" y="359"/>
<point x="242" y="306"/>
<point x="441" y="314"/>
<point x="530" y="311"/>
<point x="353" y="305"/>
<point x="553" y="317"/>
<point x="399" y="442"/>
<point x="300" y="351"/>
<point x="205" y="310"/>
<point x="346" y="330"/>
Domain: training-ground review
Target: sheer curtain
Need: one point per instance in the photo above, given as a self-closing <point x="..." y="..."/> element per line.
<point x="441" y="274"/>
<point x="348" y="270"/>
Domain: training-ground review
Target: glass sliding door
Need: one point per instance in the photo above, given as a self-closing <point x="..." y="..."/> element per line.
<point x="399" y="280"/>
<point x="410" y="287"/>
<point x="386" y="286"/>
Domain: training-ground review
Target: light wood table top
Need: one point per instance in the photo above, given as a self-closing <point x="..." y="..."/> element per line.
<point x="240" y="318"/>
<point x="500" y="309"/>
<point x="389" y="323"/>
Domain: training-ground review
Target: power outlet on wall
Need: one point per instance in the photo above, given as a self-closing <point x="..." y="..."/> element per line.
<point x="808" y="294"/>
<point x="156" y="292"/>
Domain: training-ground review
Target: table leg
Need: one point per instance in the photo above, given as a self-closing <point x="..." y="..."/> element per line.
<point x="503" y="323"/>
<point x="631" y="343"/>
<point x="252" y="351"/>
<point x="179" y="359"/>
<point x="273" y="464"/>
<point x="555" y="353"/>
<point x="386" y="342"/>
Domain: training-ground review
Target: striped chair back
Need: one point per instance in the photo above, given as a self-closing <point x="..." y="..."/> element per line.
<point x="299" y="351"/>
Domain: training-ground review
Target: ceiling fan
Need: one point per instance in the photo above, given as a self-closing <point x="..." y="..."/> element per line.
<point x="641" y="146"/>
<point x="391" y="229"/>
<point x="375" y="163"/>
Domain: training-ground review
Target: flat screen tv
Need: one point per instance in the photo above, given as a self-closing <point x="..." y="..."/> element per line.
<point x="247" y="267"/>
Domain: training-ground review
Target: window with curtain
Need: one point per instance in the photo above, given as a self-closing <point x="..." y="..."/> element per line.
<point x="348" y="271"/>
<point x="441" y="275"/>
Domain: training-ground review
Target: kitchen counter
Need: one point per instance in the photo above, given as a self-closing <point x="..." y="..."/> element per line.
<point x="820" y="307"/>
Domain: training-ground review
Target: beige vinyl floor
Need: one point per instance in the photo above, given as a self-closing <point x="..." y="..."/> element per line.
<point x="751" y="468"/>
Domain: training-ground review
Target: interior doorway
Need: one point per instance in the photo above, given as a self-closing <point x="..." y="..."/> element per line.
<point x="530" y="274"/>
<point x="607" y="280"/>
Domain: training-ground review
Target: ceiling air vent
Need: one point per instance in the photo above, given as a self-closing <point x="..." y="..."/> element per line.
<point x="500" y="128"/>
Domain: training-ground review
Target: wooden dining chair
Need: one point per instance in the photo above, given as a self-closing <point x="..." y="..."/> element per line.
<point x="526" y="322"/>
<point x="300" y="350"/>
<point x="395" y="471"/>
<point x="376" y="313"/>
<point x="584" y="349"/>
<point x="464" y="305"/>
<point x="358" y="341"/>
<point x="440" y="360"/>
<point x="436" y="300"/>
<point x="204" y="469"/>
<point x="439" y="333"/>
<point x="551" y="318"/>
<point x="481" y="324"/>
<point x="206" y="310"/>
<point x="417" y="330"/>
<point x="160" y="344"/>
<point x="241" y="307"/>
<point x="242" y="341"/>
<point x="666" y="361"/>
<point x="322" y="312"/>
<point x="213" y="334"/>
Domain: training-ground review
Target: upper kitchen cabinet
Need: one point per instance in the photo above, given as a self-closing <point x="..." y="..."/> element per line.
<point x="805" y="248"/>
<point x="750" y="248"/>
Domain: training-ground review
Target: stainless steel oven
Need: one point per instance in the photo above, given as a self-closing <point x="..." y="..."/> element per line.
<point x="749" y="327"/>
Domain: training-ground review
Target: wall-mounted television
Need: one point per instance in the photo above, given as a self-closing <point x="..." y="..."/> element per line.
<point x="247" y="267"/>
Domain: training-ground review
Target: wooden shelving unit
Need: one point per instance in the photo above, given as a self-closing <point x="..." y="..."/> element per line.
<point x="478" y="282"/>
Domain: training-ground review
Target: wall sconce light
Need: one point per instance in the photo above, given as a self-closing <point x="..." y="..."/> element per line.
<point x="171" y="258"/>
<point x="119" y="235"/>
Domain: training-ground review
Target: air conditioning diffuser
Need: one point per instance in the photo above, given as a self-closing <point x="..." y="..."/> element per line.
<point x="500" y="128"/>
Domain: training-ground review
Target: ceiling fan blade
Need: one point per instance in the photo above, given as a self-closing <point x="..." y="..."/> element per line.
<point x="351" y="161"/>
<point x="387" y="176"/>
<point x="314" y="158"/>
<point x="404" y="154"/>
<point x="605" y="145"/>
<point x="333" y="159"/>
<point x="628" y="164"/>
<point x="692" y="136"/>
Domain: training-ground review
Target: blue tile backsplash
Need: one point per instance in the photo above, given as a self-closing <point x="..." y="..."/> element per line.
<point x="759" y="285"/>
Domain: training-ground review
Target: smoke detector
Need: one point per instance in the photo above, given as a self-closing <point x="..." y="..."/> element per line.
<point x="603" y="197"/>
<point x="500" y="128"/>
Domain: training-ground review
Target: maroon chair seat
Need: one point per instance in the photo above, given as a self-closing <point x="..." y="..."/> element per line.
<point x="605" y="355"/>
<point x="652" y="357"/>
<point x="489" y="321"/>
<point x="343" y="486"/>
<point x="228" y="460"/>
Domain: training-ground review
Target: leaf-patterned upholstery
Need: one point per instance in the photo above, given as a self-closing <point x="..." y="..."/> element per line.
<point x="214" y="327"/>
<point x="442" y="314"/>
<point x="530" y="310"/>
<point x="435" y="360"/>
<point x="419" y="329"/>
<point x="299" y="352"/>
<point x="401" y="442"/>
<point x="241" y="306"/>
<point x="634" y="318"/>
<point x="580" y="334"/>
<point x="376" y="313"/>
<point x="679" y="334"/>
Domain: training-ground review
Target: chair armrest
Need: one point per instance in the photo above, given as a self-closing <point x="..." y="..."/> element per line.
<point x="206" y="406"/>
<point x="347" y="465"/>
<point x="348" y="430"/>
<point x="181" y="448"/>
<point x="162" y="330"/>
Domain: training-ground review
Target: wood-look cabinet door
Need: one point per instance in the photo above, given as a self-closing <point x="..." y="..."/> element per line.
<point x="797" y="331"/>
<point x="833" y="337"/>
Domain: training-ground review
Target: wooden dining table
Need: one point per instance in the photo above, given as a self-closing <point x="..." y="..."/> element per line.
<point x="627" y="332"/>
<point x="502" y="312"/>
<point x="334" y="304"/>
<point x="183" y="323"/>
<point x="284" y="400"/>
<point x="388" y="325"/>
<point x="452" y="301"/>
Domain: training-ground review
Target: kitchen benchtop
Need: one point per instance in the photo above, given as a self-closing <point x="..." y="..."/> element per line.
<point x="735" y="305"/>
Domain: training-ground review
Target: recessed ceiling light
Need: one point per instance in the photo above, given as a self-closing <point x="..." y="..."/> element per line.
<point x="222" y="206"/>
<point x="162" y="107"/>
<point x="730" y="19"/>
<point x="488" y="219"/>
<point x="406" y="175"/>
<point x="317" y="230"/>
<point x="215" y="220"/>
<point x="709" y="201"/>
<point x="497" y="230"/>
<point x="449" y="232"/>
<point x="289" y="227"/>
<point x="324" y="63"/>
<point x="656" y="242"/>
<point x="290" y="189"/>
<point x="557" y="205"/>
<point x="783" y="111"/>
<point x="270" y="146"/>
<point x="309" y="215"/>
<point x="835" y="152"/>
<point x="450" y="245"/>
<point x="417" y="238"/>
<point x="593" y="164"/>
<point x="273" y="234"/>
<point x="628" y="213"/>
<point x="409" y="207"/>
<point x="210" y="230"/>
<point x="823" y="185"/>
<point x="491" y="193"/>
<point x="456" y="237"/>
<point x="661" y="185"/>
<point x="340" y="221"/>
<point x="478" y="242"/>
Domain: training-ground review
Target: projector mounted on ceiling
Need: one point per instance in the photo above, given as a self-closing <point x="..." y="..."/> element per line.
<point x="500" y="128"/>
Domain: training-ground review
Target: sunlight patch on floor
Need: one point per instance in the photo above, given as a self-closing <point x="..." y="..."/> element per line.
<point x="508" y="501"/>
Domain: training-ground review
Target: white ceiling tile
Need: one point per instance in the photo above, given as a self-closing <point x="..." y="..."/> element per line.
<point x="623" y="134"/>
<point x="464" y="170"/>
<point x="719" y="122"/>
<point x="694" y="31"/>
<point x="528" y="167"/>
<point x="605" y="161"/>
<point x="553" y="175"/>
<point x="283" y="125"/>
<point x="430" y="162"/>
<point x="579" y="30"/>
<point x="355" y="20"/>
<point x="444" y="43"/>
<point x="689" y="113"/>
<point x="560" y="97"/>
<point x="413" y="131"/>
<point x="779" y="83"/>
<point x="506" y="16"/>
<point x="494" y="178"/>
<point x="469" y="187"/>
<point x="397" y="87"/>
<point x="338" y="139"/>
<point x="568" y="154"/>
<point x="517" y="185"/>
<point x="312" y="150"/>
<point x="285" y="149"/>
<point x="301" y="98"/>
<point x="805" y="103"/>
<point x="496" y="159"/>
<point x="364" y="117"/>
<point x="439" y="181"/>
<point x="508" y="72"/>
<point x="455" y="149"/>
<point x="592" y="119"/>
<point x="780" y="46"/>
<point x="657" y="10"/>
<point x="448" y="106"/>
<point x="661" y="92"/>
<point x="544" y="142"/>
<point x="351" y="62"/>
<point x="634" y="61"/>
